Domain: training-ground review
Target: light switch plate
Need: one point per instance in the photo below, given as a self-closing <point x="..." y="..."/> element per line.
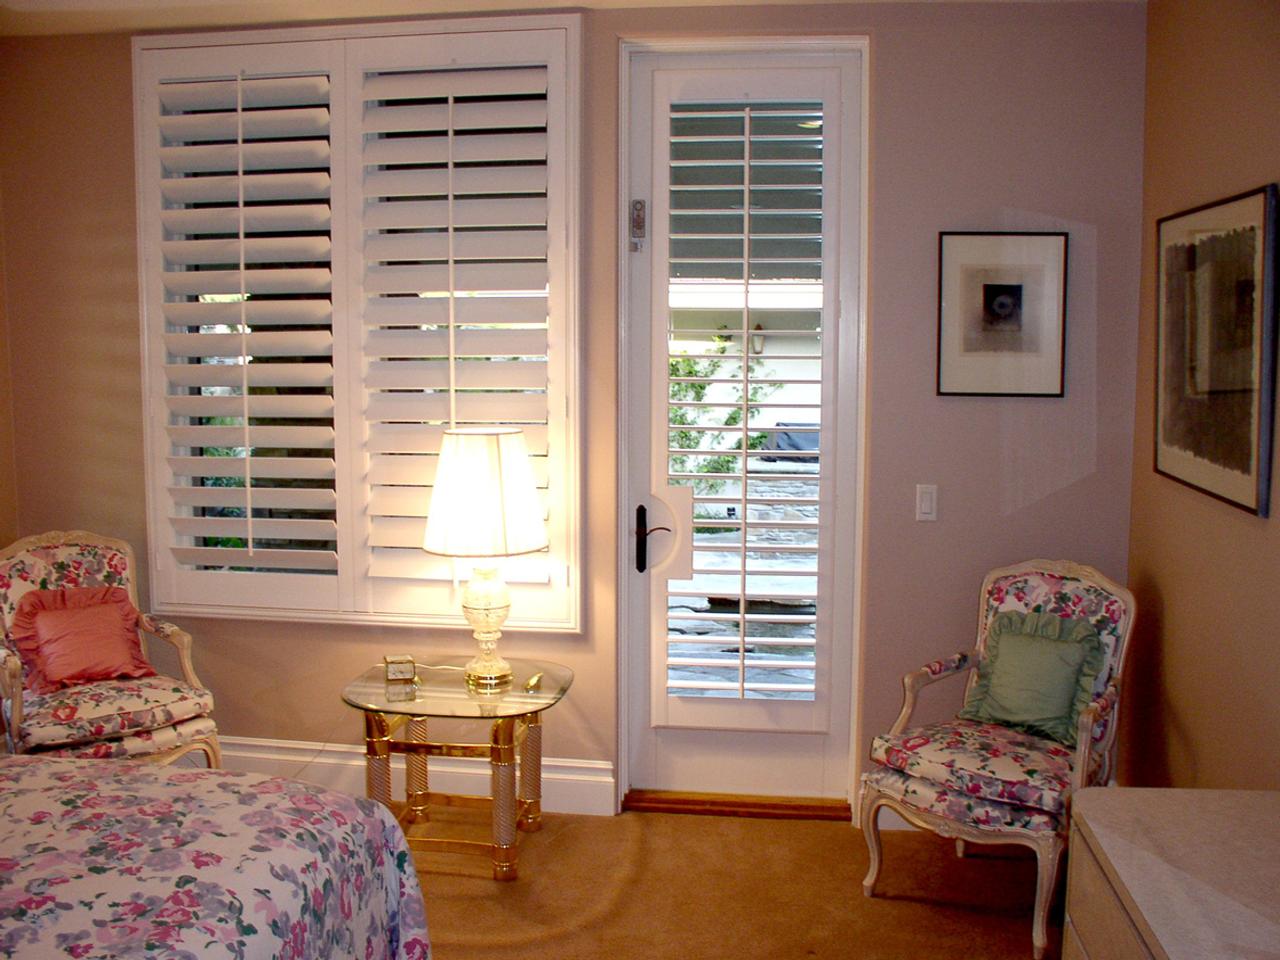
<point x="926" y="501"/>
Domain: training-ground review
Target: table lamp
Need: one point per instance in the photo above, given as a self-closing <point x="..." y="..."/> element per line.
<point x="484" y="505"/>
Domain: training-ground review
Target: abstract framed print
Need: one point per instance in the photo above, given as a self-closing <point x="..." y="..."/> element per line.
<point x="1215" y="347"/>
<point x="1002" y="309"/>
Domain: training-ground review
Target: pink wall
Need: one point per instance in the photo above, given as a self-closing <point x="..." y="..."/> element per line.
<point x="1203" y="704"/>
<point x="984" y="124"/>
<point x="983" y="116"/>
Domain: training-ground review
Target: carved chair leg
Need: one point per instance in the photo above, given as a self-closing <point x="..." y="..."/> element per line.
<point x="1048" y="857"/>
<point x="871" y="831"/>
<point x="213" y="753"/>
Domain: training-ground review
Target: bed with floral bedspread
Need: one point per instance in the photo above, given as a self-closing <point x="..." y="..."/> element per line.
<point x="111" y="859"/>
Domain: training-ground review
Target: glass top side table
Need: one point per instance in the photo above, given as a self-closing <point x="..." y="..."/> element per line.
<point x="441" y="691"/>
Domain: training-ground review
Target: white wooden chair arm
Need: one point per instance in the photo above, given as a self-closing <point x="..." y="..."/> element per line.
<point x="932" y="672"/>
<point x="1099" y="708"/>
<point x="11" y="691"/>
<point x="178" y="638"/>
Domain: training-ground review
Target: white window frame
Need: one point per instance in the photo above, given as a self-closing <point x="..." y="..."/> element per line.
<point x="350" y="595"/>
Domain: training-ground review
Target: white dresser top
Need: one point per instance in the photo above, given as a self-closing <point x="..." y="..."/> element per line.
<point x="1198" y="870"/>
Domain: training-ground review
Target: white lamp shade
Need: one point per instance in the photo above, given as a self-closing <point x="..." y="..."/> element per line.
<point x="485" y="500"/>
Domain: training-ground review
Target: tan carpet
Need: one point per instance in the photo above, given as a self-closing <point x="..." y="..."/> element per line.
<point x="658" y="886"/>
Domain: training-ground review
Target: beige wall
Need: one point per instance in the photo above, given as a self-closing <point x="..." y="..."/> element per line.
<point x="985" y="116"/>
<point x="8" y="475"/>
<point x="1203" y="707"/>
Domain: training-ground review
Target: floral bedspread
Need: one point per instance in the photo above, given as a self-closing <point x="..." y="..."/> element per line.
<point x="111" y="859"/>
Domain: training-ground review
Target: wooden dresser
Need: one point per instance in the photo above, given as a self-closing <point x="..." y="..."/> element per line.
<point x="1173" y="875"/>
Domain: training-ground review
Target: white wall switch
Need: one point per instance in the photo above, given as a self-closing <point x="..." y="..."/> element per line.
<point x="926" y="501"/>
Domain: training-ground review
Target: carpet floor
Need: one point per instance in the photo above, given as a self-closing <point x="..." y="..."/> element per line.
<point x="658" y="886"/>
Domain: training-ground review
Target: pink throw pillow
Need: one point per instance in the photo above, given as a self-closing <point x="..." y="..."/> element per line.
<point x="78" y="635"/>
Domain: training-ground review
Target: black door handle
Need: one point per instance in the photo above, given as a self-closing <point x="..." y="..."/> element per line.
<point x="642" y="538"/>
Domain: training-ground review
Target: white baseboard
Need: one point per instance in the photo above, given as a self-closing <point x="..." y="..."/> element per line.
<point x="568" y="786"/>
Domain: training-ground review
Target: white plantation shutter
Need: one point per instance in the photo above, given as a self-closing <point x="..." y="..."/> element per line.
<point x="235" y="189"/>
<point x="461" y="292"/>
<point x="744" y="404"/>
<point x="349" y="244"/>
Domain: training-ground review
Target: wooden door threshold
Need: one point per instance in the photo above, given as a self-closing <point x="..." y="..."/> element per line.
<point x="736" y="805"/>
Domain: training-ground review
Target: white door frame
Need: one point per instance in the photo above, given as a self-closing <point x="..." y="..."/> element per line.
<point x="630" y="602"/>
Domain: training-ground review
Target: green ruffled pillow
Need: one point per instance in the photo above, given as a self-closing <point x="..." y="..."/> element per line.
<point x="1037" y="675"/>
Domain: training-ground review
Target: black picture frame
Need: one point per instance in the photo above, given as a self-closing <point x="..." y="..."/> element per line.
<point x="1216" y="317"/>
<point x="1002" y="313"/>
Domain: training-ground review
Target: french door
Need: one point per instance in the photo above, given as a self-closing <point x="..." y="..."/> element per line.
<point x="741" y="328"/>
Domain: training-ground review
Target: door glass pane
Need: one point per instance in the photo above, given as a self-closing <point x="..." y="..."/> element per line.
<point x="744" y="395"/>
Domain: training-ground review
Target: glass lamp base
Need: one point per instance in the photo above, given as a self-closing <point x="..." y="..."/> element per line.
<point x="486" y="603"/>
<point x="488" y="673"/>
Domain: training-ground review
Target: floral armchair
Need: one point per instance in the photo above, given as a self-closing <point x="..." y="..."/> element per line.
<point x="977" y="780"/>
<point x="146" y="717"/>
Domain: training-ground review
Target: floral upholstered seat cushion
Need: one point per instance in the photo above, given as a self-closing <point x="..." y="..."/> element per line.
<point x="982" y="760"/>
<point x="929" y="797"/>
<point x="109" y="708"/>
<point x="143" y="743"/>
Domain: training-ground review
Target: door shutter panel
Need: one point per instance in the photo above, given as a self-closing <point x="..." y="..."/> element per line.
<point x="744" y="397"/>
<point x="238" y="238"/>
<point x="462" y="291"/>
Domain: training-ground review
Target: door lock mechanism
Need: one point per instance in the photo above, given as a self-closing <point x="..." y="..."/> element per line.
<point x="642" y="537"/>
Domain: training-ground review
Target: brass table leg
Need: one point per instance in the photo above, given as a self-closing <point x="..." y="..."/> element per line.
<point x="502" y="767"/>
<point x="416" y="783"/>
<point x="377" y="752"/>
<point x="531" y="775"/>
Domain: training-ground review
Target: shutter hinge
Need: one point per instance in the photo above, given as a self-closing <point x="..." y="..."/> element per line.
<point x="637" y="225"/>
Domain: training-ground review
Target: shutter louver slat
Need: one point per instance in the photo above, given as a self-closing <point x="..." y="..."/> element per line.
<point x="289" y="405"/>
<point x="429" y="85"/>
<point x="425" y="438"/>
<point x="467" y="277"/>
<point x="434" y="214"/>
<point x="177" y="97"/>
<point x="296" y="437"/>
<point x="262" y="186"/>
<point x="472" y="311"/>
<point x="246" y="246"/>
<point x="255" y="282"/>
<point x="256" y="250"/>
<point x="221" y="158"/>
<point x="257" y="313"/>
<point x="472" y="407"/>
<point x="469" y="180"/>
<point x="290" y="468"/>
<point x="290" y="498"/>
<point x="477" y="148"/>
<point x="299" y="218"/>
<point x="259" y="125"/>
<point x="465" y="116"/>
<point x="317" y="561"/>
<point x="402" y="471"/>
<point x="294" y="343"/>
<point x="468" y="374"/>
<point x="259" y="375"/>
<point x="269" y="529"/>
<point x="413" y="344"/>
